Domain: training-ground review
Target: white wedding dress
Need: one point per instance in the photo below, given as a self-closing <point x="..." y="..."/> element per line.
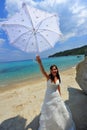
<point x="54" y="113"/>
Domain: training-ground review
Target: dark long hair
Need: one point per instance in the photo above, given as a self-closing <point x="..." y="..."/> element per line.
<point x="58" y="75"/>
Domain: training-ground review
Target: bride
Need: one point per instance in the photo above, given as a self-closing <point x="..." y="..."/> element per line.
<point x="54" y="113"/>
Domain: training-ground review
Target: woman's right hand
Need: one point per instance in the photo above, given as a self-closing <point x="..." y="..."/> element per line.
<point x="38" y="59"/>
<point x="41" y="67"/>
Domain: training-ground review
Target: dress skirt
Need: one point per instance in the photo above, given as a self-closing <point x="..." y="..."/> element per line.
<point x="55" y="115"/>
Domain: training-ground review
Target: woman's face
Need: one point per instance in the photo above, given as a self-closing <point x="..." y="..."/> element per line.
<point x="54" y="71"/>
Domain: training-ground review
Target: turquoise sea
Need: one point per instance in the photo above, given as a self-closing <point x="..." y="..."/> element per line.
<point x="17" y="71"/>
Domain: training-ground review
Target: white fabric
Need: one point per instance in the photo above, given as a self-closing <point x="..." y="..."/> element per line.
<point x="54" y="113"/>
<point x="32" y="30"/>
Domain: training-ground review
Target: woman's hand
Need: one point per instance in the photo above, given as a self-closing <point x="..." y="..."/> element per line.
<point x="41" y="67"/>
<point x="38" y="59"/>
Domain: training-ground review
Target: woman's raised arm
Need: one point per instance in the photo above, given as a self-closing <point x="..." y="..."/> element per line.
<point x="41" y="67"/>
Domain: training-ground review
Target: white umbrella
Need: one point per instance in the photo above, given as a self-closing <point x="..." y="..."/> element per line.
<point x="32" y="30"/>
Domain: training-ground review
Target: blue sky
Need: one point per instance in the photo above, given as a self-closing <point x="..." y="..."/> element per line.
<point x="73" y="25"/>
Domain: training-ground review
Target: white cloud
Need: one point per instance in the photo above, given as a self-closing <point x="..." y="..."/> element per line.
<point x="54" y="1"/>
<point x="79" y="13"/>
<point x="73" y="14"/>
<point x="67" y="36"/>
<point x="15" y="5"/>
<point x="76" y="8"/>
<point x="51" y="3"/>
<point x="80" y="22"/>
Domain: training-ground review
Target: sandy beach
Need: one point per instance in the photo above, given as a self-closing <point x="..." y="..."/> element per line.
<point x="20" y="104"/>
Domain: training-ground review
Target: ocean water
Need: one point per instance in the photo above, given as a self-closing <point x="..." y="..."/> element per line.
<point x="17" y="71"/>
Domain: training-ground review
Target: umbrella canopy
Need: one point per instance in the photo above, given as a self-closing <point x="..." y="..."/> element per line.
<point x="32" y="30"/>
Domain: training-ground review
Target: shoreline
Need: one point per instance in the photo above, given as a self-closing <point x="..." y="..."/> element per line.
<point x="22" y="83"/>
<point x="16" y="85"/>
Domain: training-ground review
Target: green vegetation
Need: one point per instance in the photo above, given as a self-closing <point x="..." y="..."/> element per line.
<point x="76" y="51"/>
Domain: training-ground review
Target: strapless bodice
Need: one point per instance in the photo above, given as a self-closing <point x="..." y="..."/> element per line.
<point x="51" y="90"/>
<point x="51" y="86"/>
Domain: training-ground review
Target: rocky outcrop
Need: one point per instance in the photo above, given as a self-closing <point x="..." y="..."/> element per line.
<point x="81" y="75"/>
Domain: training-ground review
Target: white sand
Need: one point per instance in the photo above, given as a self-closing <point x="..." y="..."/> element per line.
<point x="20" y="106"/>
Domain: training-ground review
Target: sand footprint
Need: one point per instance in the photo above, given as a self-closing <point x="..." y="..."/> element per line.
<point x="19" y="107"/>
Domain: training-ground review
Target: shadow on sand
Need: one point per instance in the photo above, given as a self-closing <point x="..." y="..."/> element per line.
<point x="34" y="125"/>
<point x="19" y="123"/>
<point x="77" y="103"/>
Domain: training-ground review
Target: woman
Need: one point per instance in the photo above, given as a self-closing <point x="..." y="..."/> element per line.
<point x="54" y="113"/>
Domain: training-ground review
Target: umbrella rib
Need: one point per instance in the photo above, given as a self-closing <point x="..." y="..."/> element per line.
<point x="49" y="31"/>
<point x="27" y="12"/>
<point x="44" y="20"/>
<point x="28" y="41"/>
<point x="46" y="39"/>
<point x="19" y="37"/>
<point x="46" y="29"/>
<point x="16" y="25"/>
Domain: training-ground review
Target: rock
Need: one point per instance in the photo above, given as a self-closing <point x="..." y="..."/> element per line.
<point x="81" y="75"/>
